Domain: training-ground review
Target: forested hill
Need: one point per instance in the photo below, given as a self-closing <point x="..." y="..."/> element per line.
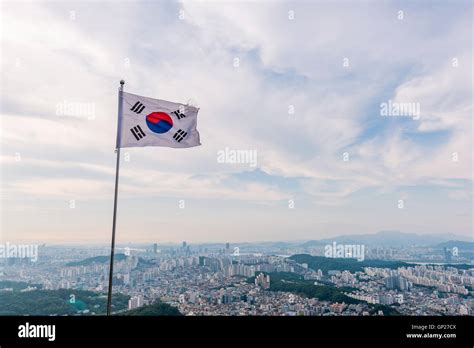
<point x="58" y="302"/>
<point x="155" y="309"/>
<point x="96" y="259"/>
<point x="339" y="264"/>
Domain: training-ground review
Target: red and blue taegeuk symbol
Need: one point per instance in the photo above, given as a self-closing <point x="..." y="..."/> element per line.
<point x="159" y="122"/>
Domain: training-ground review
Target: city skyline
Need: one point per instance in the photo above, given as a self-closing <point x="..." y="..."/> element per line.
<point x="296" y="146"/>
<point x="441" y="237"/>
<point x="218" y="280"/>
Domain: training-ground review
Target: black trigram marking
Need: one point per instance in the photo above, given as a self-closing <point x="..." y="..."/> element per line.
<point x="138" y="107"/>
<point x="180" y="135"/>
<point x="178" y="114"/>
<point x="137" y="132"/>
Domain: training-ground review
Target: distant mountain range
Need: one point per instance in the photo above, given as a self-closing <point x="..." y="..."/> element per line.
<point x="382" y="239"/>
<point x="394" y="238"/>
<point x="326" y="264"/>
<point x="466" y="246"/>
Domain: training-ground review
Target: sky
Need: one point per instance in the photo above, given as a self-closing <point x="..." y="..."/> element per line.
<point x="298" y="84"/>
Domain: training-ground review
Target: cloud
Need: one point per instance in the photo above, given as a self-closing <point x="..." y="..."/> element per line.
<point x="54" y="56"/>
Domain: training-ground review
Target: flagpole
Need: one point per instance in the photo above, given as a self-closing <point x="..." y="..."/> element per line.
<point x="117" y="168"/>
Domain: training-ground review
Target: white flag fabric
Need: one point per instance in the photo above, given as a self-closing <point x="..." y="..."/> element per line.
<point x="153" y="122"/>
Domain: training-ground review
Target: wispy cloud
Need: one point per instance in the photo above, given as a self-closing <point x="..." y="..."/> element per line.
<point x="300" y="83"/>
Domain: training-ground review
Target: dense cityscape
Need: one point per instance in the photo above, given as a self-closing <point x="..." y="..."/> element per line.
<point x="260" y="279"/>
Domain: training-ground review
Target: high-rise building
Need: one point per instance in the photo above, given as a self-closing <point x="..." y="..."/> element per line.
<point x="135" y="302"/>
<point x="184" y="245"/>
<point x="386" y="299"/>
<point x="155" y="248"/>
<point x="397" y="282"/>
<point x="262" y="280"/>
